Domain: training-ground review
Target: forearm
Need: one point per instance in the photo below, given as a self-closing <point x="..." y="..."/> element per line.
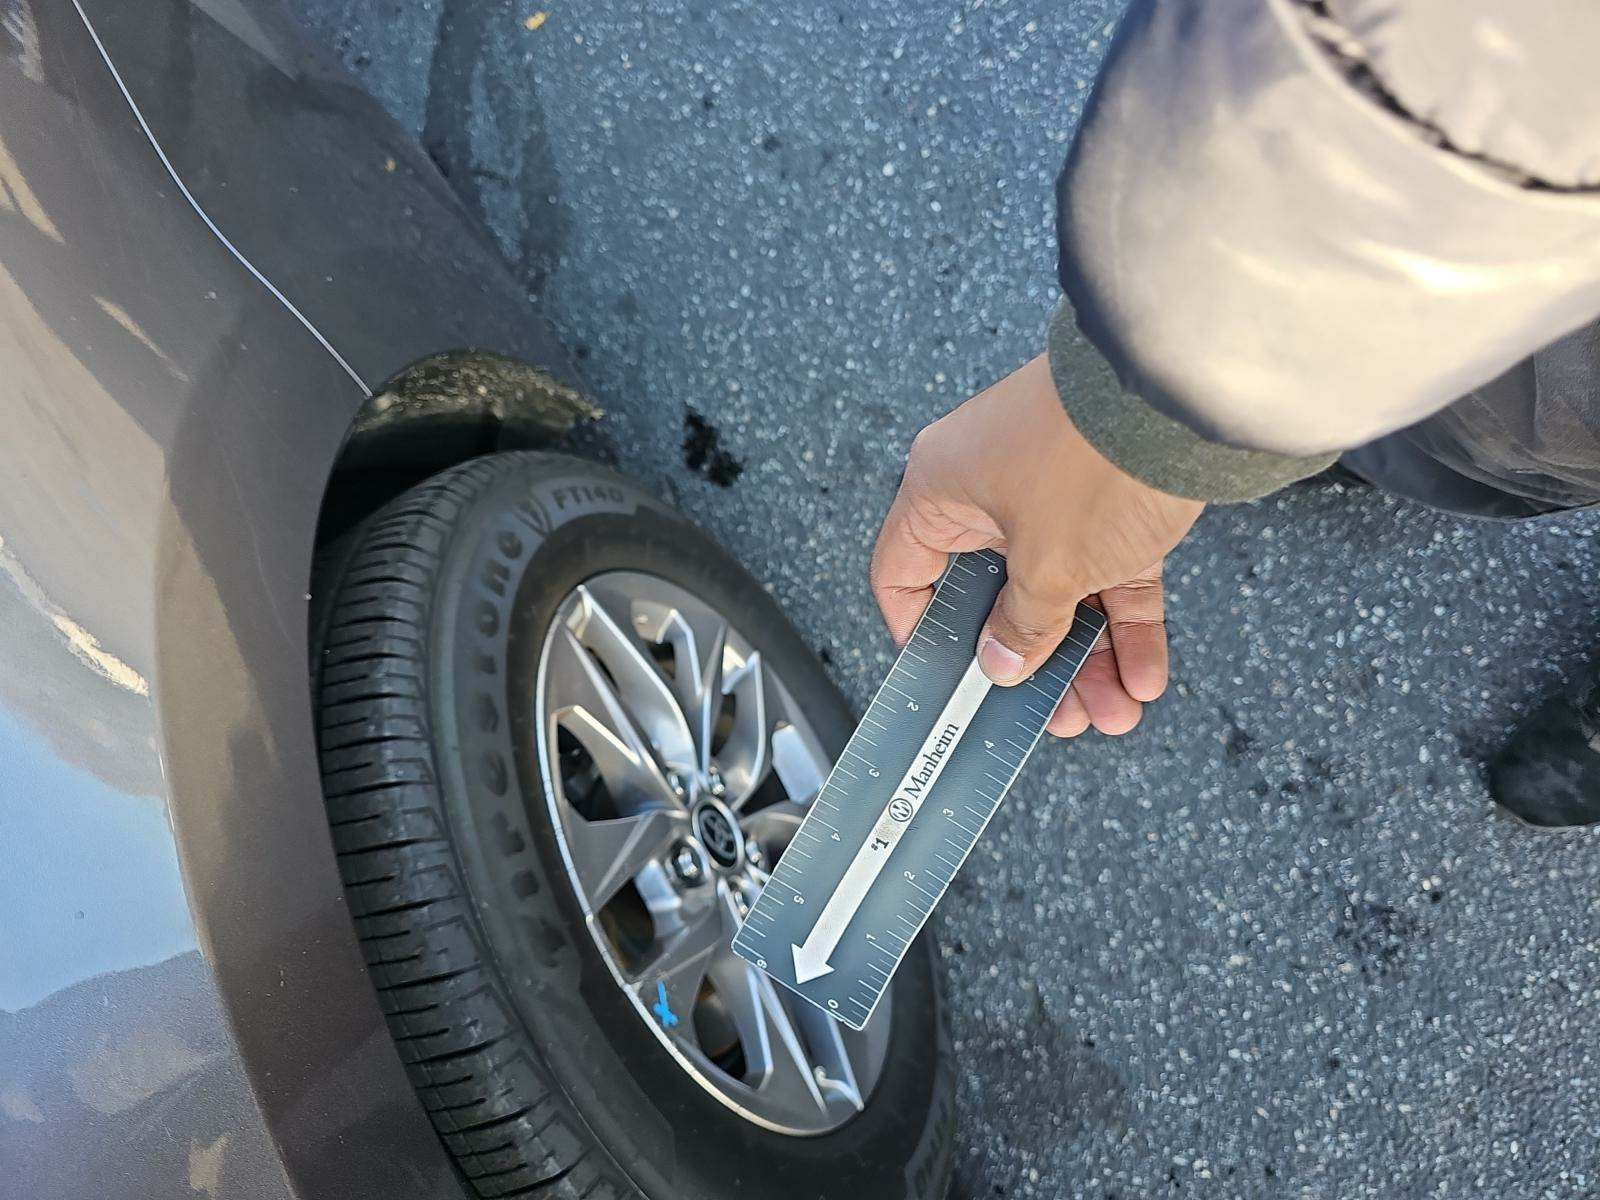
<point x="1276" y="262"/>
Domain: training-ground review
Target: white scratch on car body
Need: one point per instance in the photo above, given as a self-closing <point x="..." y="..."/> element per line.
<point x="79" y="640"/>
<point x="120" y="315"/>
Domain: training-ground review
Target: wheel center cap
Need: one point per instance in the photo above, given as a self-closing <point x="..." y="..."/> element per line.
<point x="718" y="831"/>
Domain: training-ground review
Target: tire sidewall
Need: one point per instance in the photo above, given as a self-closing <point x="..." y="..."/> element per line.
<point x="523" y="544"/>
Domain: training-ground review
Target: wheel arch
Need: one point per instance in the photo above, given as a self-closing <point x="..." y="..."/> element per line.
<point x="440" y="410"/>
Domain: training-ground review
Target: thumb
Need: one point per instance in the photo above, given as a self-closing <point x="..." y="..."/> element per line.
<point x="1025" y="625"/>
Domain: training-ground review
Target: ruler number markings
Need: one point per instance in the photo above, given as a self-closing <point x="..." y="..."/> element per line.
<point x="896" y="867"/>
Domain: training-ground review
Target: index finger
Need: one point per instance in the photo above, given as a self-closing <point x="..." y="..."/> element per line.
<point x="904" y="570"/>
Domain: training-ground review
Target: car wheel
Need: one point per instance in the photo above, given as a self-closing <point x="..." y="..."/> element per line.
<point x="563" y="739"/>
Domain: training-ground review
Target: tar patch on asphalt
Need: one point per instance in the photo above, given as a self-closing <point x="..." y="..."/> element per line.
<point x="703" y="453"/>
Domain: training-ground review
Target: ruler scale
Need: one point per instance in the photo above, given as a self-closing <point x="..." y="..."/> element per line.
<point x="934" y="755"/>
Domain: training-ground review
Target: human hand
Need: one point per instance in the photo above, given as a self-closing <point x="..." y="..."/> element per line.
<point x="1008" y="470"/>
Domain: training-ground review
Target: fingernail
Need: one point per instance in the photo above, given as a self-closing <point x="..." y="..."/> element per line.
<point x="1000" y="664"/>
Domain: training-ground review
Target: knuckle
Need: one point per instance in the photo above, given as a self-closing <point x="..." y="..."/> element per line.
<point x="1044" y="588"/>
<point x="1134" y="622"/>
<point x="1142" y="585"/>
<point x="875" y="571"/>
<point x="1026" y="629"/>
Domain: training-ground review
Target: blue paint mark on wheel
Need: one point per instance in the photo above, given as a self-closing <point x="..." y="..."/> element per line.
<point x="662" y="1009"/>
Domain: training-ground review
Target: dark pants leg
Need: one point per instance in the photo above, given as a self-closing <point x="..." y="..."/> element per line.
<point x="1524" y="445"/>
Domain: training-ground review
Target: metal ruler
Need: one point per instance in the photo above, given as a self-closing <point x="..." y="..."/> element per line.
<point x="935" y="753"/>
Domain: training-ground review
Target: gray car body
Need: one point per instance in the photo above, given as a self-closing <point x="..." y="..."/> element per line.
<point x="213" y="249"/>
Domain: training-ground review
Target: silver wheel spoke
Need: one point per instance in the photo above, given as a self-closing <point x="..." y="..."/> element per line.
<point x="640" y="686"/>
<point x="593" y="713"/>
<point x="773" y="828"/>
<point x="798" y="759"/>
<point x="673" y="974"/>
<point x="833" y="1066"/>
<point x="698" y="638"/>
<point x="607" y="854"/>
<point x="774" y="824"/>
<point x="745" y="755"/>
<point x="708" y="688"/>
<point x="776" y="1062"/>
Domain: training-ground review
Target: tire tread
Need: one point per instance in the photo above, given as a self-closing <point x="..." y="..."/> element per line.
<point x="499" y="1114"/>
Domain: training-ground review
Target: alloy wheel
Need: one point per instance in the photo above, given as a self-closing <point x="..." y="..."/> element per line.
<point x="677" y="768"/>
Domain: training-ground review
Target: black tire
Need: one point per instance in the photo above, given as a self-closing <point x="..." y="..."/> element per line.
<point x="539" y="1077"/>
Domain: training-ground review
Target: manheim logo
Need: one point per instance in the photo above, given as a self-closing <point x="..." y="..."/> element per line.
<point x="900" y="808"/>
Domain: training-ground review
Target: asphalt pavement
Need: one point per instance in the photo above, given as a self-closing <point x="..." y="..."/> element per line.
<point x="1275" y="943"/>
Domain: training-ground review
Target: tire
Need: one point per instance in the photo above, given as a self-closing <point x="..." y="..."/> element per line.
<point x="538" y="1074"/>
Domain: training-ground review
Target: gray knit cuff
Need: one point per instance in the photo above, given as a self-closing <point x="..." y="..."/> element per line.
<point x="1151" y="446"/>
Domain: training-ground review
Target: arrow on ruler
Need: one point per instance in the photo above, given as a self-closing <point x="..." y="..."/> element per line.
<point x="811" y="958"/>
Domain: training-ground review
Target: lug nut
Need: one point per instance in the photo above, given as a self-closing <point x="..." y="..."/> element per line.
<point x="686" y="865"/>
<point x="675" y="782"/>
<point x="714" y="782"/>
<point x="752" y="851"/>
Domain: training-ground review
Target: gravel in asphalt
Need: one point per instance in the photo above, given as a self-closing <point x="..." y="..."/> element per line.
<point x="1277" y="942"/>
